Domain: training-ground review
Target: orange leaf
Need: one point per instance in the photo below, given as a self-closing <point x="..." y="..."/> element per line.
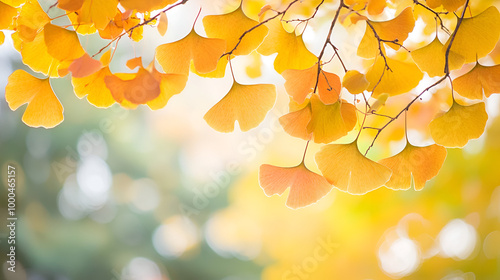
<point x="349" y="170"/>
<point x="70" y="5"/>
<point x="460" y="124"/>
<point x="472" y="84"/>
<point x="32" y="18"/>
<point x="300" y="83"/>
<point x="176" y="57"/>
<point x="231" y="26"/>
<point x="140" y="89"/>
<point x="292" y="52"/>
<point x="94" y="87"/>
<point x="134" y="62"/>
<point x="44" y="109"/>
<point x="162" y="24"/>
<point x="295" y="123"/>
<point x="36" y="56"/>
<point x="247" y="104"/>
<point x="414" y="166"/>
<point x="84" y="66"/>
<point x="331" y="122"/>
<point x="306" y="187"/>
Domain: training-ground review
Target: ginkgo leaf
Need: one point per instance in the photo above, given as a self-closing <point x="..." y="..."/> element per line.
<point x="84" y="66"/>
<point x="300" y="83"/>
<point x="162" y="24"/>
<point x="306" y="187"/>
<point x="170" y="85"/>
<point x="80" y="27"/>
<point x="142" y="88"/>
<point x="2" y="37"/>
<point x="402" y="78"/>
<point x="355" y="82"/>
<point x="450" y="5"/>
<point x="459" y="125"/>
<point x="32" y="18"/>
<point x="347" y="169"/>
<point x="70" y="5"/>
<point x="414" y="166"/>
<point x="396" y="30"/>
<point x="62" y="44"/>
<point x="14" y="3"/>
<point x="98" y="12"/>
<point x="295" y="123"/>
<point x="432" y="57"/>
<point x="254" y="69"/>
<point x="331" y="122"/>
<point x="94" y="88"/>
<point x="292" y="52"/>
<point x="36" y="56"/>
<point x="134" y="63"/>
<point x="176" y="57"/>
<point x="219" y="72"/>
<point x="145" y="6"/>
<point x="477" y="36"/>
<point x="44" y="109"/>
<point x="472" y="84"/>
<point x="247" y="104"/>
<point x="7" y="14"/>
<point x="231" y="26"/>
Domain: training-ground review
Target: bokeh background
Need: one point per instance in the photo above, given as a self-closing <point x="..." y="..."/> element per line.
<point x="150" y="195"/>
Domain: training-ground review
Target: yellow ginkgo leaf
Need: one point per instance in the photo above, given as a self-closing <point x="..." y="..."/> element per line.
<point x="431" y="59"/>
<point x="7" y="14"/>
<point x="142" y="88"/>
<point x="347" y="169"/>
<point x="176" y="57"/>
<point x="306" y="187"/>
<point x="145" y="6"/>
<point x="459" y="125"/>
<point x="162" y="24"/>
<point x="14" y="3"/>
<point x="219" y="72"/>
<point x="170" y="85"/>
<point x="402" y="78"/>
<point x="300" y="83"/>
<point x="62" y="44"/>
<point x="94" y="88"/>
<point x="231" y="26"/>
<point x="355" y="82"/>
<point x="253" y="70"/>
<point x="396" y="29"/>
<point x="414" y="166"/>
<point x="295" y="123"/>
<point x="36" y="56"/>
<point x="450" y="5"/>
<point x="247" y="104"/>
<point x="81" y="28"/>
<point x="2" y="37"/>
<point x="292" y="52"/>
<point x="331" y="122"/>
<point x="472" y="84"/>
<point x="477" y="36"/>
<point x="44" y="109"/>
<point x="98" y="12"/>
<point x="32" y="18"/>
